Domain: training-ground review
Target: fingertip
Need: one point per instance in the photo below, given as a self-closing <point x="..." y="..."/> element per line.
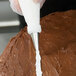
<point x="37" y="1"/>
<point x="42" y="2"/>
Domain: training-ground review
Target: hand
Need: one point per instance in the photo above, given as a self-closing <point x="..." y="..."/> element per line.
<point x="16" y="7"/>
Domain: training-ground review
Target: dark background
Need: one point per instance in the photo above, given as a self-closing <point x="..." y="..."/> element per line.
<point x="53" y="6"/>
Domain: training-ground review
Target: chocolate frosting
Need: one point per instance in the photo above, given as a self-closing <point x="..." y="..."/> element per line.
<point x="57" y="43"/>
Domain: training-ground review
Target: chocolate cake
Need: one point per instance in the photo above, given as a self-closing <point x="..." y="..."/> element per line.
<point x="57" y="43"/>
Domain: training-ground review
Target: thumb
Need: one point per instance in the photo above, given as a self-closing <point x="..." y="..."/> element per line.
<point x="36" y="1"/>
<point x="40" y="1"/>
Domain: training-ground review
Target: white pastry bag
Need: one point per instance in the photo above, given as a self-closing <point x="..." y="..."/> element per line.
<point x="31" y="13"/>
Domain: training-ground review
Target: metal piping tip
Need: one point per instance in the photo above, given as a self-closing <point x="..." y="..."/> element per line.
<point x="35" y="40"/>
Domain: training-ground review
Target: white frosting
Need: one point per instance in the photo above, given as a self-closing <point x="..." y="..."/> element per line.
<point x="31" y="12"/>
<point x="38" y="64"/>
<point x="38" y="58"/>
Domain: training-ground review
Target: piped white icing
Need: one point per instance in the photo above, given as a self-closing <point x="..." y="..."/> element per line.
<point x="38" y="64"/>
<point x="38" y="58"/>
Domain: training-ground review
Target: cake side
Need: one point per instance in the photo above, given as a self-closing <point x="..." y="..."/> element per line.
<point x="58" y="42"/>
<point x="18" y="58"/>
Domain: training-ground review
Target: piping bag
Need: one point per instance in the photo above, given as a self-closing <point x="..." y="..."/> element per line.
<point x="31" y="13"/>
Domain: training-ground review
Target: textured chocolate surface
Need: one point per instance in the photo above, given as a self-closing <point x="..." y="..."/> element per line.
<point x="57" y="48"/>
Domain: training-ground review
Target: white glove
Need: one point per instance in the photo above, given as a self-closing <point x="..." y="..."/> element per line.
<point x="16" y="7"/>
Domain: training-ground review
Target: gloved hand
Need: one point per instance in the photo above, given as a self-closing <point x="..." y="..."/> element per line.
<point x="16" y="7"/>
